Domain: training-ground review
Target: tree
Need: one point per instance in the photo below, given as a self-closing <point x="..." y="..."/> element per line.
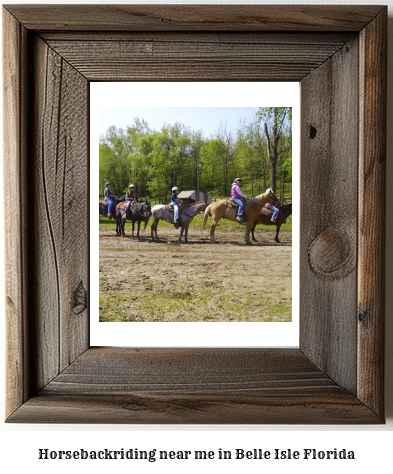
<point x="276" y="120"/>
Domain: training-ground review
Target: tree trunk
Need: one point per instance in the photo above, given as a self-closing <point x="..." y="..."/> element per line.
<point x="272" y="153"/>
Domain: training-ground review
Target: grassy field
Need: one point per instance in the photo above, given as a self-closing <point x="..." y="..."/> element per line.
<point x="106" y="224"/>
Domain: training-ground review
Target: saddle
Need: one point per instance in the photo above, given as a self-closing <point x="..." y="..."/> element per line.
<point x="169" y="208"/>
<point x="122" y="206"/>
<point x="267" y="212"/>
<point x="231" y="203"/>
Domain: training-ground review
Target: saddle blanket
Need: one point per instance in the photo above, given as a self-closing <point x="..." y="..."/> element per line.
<point x="122" y="206"/>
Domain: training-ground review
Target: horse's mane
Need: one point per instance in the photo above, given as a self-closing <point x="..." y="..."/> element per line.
<point x="258" y="198"/>
<point x="194" y="203"/>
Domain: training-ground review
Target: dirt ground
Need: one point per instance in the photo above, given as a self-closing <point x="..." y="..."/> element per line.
<point x="196" y="281"/>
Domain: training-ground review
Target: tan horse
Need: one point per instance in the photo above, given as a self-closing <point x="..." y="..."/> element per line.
<point x="220" y="210"/>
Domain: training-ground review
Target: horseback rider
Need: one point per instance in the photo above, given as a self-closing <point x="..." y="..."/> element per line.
<point x="131" y="198"/>
<point x="237" y="196"/>
<point x="175" y="201"/>
<point x="274" y="209"/>
<point x="109" y="198"/>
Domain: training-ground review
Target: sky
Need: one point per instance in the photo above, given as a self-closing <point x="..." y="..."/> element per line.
<point x="198" y="105"/>
<point x="207" y="119"/>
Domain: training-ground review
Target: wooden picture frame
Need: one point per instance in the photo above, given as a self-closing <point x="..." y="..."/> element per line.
<point x="338" y="54"/>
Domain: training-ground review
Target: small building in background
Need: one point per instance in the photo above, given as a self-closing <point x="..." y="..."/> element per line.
<point x="189" y="197"/>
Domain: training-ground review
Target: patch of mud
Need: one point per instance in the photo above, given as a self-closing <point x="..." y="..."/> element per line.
<point x="196" y="281"/>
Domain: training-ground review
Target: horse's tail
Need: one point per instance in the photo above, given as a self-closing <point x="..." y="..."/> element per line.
<point x="205" y="217"/>
<point x="146" y="222"/>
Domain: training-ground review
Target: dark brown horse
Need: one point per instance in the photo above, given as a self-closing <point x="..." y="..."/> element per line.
<point x="104" y="207"/>
<point x="265" y="216"/>
<point x="140" y="212"/>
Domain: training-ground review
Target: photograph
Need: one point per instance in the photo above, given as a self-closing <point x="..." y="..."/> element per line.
<point x="324" y="268"/>
<point x="195" y="214"/>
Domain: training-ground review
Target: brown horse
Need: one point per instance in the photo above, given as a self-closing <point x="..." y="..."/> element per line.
<point x="220" y="210"/>
<point x="264" y="218"/>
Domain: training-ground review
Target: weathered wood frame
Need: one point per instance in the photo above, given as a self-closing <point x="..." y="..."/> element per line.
<point x="338" y="53"/>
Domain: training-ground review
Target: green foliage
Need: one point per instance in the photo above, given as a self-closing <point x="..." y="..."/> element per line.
<point x="155" y="161"/>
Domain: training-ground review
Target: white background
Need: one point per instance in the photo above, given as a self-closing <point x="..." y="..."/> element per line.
<point x="172" y="94"/>
<point x="19" y="444"/>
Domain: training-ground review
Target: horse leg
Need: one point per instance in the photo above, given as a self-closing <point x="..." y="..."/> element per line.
<point x="184" y="229"/>
<point x="277" y="232"/>
<point x="123" y="227"/>
<point x="247" y="235"/>
<point x="252" y="234"/>
<point x="212" y="229"/>
<point x="154" y="229"/>
<point x="139" y="226"/>
<point x="186" y="232"/>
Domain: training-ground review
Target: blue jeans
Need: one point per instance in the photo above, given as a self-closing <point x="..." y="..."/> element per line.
<point x="128" y="205"/>
<point x="239" y="202"/>
<point x="275" y="213"/>
<point x="111" y="203"/>
<point x="175" y="210"/>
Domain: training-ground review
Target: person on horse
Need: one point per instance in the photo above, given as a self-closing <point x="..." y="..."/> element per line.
<point x="110" y="198"/>
<point x="274" y="209"/>
<point x="237" y="196"/>
<point x="175" y="201"/>
<point x="131" y="199"/>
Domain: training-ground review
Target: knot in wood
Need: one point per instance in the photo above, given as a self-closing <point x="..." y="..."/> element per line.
<point x="313" y="132"/>
<point x="330" y="254"/>
<point x="80" y="299"/>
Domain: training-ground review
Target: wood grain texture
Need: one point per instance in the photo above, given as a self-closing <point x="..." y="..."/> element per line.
<point x="14" y="149"/>
<point x="193" y="386"/>
<point x="195" y="17"/>
<point x="336" y="376"/>
<point x="372" y="169"/>
<point x="60" y="115"/>
<point x="329" y="188"/>
<point x="219" y="59"/>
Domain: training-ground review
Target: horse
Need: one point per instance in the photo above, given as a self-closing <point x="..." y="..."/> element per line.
<point x="104" y="207"/>
<point x="140" y="212"/>
<point x="189" y="211"/>
<point x="221" y="210"/>
<point x="264" y="218"/>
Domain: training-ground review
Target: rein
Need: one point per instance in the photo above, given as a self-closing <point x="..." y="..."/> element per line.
<point x="139" y="212"/>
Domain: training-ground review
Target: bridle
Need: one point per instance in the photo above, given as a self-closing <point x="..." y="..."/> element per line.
<point x="144" y="213"/>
